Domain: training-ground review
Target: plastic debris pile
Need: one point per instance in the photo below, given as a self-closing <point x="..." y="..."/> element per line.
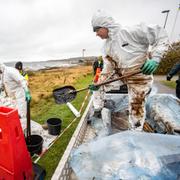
<point x="163" y="113"/>
<point x="128" y="155"/>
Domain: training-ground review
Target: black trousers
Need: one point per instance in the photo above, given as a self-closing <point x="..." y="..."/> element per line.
<point x="178" y="88"/>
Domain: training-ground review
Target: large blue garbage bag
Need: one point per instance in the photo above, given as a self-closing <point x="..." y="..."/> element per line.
<point x="128" y="155"/>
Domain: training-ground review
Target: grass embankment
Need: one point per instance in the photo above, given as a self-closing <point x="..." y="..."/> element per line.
<point x="44" y="107"/>
<point x="171" y="84"/>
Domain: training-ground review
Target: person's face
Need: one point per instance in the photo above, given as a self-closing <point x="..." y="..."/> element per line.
<point x="102" y="33"/>
<point x="19" y="68"/>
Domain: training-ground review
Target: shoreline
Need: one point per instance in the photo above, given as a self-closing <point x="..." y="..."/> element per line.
<point x="41" y="65"/>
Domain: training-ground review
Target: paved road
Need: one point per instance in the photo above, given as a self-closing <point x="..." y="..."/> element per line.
<point x="160" y="88"/>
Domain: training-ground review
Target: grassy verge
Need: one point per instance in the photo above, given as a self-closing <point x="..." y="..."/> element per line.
<point x="46" y="108"/>
<point x="51" y="159"/>
<point x="171" y="84"/>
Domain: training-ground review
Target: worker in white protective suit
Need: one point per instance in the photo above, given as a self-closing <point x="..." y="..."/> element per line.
<point x="126" y="49"/>
<point x="108" y="73"/>
<point x="15" y="86"/>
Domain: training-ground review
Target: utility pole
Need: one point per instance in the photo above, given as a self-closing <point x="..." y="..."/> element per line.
<point x="166" y="11"/>
<point x="175" y="21"/>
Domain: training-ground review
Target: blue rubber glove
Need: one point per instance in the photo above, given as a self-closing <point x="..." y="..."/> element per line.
<point x="149" y="67"/>
<point x="28" y="96"/>
<point x="92" y="87"/>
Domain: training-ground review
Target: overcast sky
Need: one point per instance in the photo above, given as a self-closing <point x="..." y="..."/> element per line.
<point x="35" y="30"/>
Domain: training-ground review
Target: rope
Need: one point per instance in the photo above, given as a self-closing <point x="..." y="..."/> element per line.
<point x="82" y="105"/>
<point x="147" y="127"/>
<point x="168" y="127"/>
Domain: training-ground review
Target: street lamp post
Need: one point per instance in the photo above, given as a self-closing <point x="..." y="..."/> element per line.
<point x="83" y="50"/>
<point x="175" y="21"/>
<point x="166" y="11"/>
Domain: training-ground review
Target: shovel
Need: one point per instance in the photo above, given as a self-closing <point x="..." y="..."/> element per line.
<point x="28" y="122"/>
<point x="34" y="142"/>
<point x="68" y="93"/>
<point x="65" y="95"/>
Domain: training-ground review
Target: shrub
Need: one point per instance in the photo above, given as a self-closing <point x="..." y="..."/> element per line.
<point x="171" y="57"/>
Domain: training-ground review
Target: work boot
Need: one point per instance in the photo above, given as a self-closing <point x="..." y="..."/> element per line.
<point x="44" y="126"/>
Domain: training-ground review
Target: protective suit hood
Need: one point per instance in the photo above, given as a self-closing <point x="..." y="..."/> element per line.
<point x="102" y="19"/>
<point x="2" y="67"/>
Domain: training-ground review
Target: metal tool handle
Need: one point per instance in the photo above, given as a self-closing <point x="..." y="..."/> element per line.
<point x="119" y="78"/>
<point x="109" y="81"/>
<point x="28" y="120"/>
<point x="83" y="89"/>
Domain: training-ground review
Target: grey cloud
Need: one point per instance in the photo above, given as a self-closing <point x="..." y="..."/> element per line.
<point x="46" y="29"/>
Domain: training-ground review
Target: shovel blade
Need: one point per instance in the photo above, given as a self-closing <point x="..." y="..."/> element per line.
<point x="64" y="94"/>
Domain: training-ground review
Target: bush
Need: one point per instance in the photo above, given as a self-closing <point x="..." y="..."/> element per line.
<point x="171" y="57"/>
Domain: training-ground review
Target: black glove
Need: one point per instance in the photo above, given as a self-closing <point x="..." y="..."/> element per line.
<point x="168" y="77"/>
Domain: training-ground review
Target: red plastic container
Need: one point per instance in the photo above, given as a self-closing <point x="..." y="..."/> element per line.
<point x="15" y="161"/>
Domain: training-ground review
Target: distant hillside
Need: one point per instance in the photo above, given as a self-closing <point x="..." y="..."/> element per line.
<point x="39" y="65"/>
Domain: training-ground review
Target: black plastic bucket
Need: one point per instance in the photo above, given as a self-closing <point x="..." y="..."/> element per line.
<point x="54" y="126"/>
<point x="34" y="144"/>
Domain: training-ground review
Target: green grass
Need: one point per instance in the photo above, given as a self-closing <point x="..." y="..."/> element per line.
<point x="47" y="108"/>
<point x="171" y="84"/>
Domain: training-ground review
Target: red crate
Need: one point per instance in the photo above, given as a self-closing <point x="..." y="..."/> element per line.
<point x="15" y="160"/>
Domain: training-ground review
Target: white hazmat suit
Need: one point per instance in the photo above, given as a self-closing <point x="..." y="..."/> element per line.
<point x="15" y="87"/>
<point x="127" y="47"/>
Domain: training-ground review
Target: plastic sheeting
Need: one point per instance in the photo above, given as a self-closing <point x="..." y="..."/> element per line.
<point x="117" y="102"/>
<point x="6" y="101"/>
<point x="102" y="126"/>
<point x="163" y="112"/>
<point x="113" y="103"/>
<point x="128" y="155"/>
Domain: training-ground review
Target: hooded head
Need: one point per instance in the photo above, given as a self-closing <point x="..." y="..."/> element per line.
<point x="19" y="65"/>
<point x="103" y="20"/>
<point x="2" y="67"/>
